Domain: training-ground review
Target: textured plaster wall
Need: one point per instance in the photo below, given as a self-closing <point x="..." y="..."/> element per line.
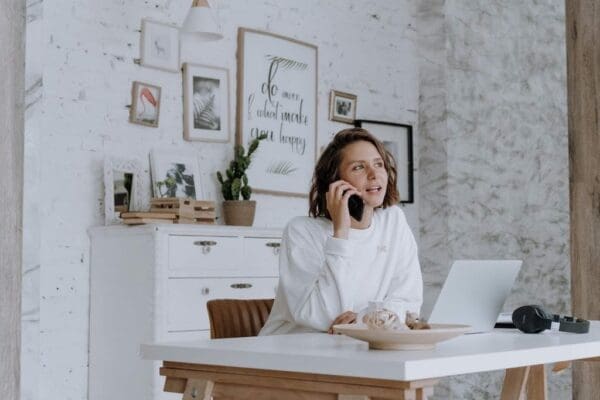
<point x="493" y="153"/>
<point x="79" y="72"/>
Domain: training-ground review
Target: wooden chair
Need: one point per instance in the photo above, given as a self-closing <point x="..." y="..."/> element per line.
<point x="237" y="318"/>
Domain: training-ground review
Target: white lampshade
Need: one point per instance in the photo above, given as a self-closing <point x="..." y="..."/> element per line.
<point x="200" y="23"/>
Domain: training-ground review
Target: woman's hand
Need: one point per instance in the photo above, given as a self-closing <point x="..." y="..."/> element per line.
<point x="347" y="317"/>
<point x="337" y="206"/>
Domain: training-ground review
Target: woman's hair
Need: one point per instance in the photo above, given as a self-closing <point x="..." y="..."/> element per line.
<point x="327" y="169"/>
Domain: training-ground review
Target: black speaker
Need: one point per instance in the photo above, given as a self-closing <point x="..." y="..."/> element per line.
<point x="534" y="319"/>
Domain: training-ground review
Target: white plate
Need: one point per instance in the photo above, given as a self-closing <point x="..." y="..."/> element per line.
<point x="421" y="339"/>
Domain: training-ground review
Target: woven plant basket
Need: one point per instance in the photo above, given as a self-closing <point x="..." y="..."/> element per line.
<point x="239" y="212"/>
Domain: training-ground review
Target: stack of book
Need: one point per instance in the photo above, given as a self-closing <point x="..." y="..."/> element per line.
<point x="185" y="211"/>
<point x="145" y="217"/>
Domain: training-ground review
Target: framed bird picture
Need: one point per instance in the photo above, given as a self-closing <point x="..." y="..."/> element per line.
<point x="205" y="103"/>
<point x="145" y="104"/>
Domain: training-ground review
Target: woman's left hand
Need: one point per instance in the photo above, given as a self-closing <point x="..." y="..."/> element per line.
<point x="348" y="317"/>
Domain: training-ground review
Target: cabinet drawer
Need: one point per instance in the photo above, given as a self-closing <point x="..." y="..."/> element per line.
<point x="204" y="255"/>
<point x="187" y="298"/>
<point x="262" y="254"/>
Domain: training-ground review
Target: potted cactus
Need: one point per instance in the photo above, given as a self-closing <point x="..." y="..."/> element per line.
<point x="235" y="183"/>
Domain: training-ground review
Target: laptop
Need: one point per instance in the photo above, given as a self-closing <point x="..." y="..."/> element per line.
<point x="474" y="293"/>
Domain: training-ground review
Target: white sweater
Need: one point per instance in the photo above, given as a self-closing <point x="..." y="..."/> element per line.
<point x="321" y="277"/>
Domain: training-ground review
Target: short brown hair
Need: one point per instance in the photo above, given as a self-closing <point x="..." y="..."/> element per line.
<point x="327" y="170"/>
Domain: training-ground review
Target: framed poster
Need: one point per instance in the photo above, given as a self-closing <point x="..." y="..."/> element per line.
<point x="205" y="103"/>
<point x="397" y="139"/>
<point x="277" y="96"/>
<point x="159" y="46"/>
<point x="145" y="104"/>
<point x="175" y="173"/>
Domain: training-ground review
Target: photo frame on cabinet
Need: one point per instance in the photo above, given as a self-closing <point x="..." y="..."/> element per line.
<point x="145" y="104"/>
<point x="159" y="46"/>
<point x="397" y="139"/>
<point x="123" y="187"/>
<point x="277" y="96"/>
<point x="342" y="107"/>
<point x="205" y="103"/>
<point x="175" y="173"/>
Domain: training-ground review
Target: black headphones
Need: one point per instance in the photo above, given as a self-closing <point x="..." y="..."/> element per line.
<point x="534" y="319"/>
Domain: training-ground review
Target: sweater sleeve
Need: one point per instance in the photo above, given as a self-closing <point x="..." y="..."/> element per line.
<point x="406" y="288"/>
<point x="318" y="284"/>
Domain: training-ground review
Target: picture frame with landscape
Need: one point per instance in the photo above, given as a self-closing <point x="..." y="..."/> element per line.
<point x="175" y="173"/>
<point x="205" y="103"/>
<point x="342" y="107"/>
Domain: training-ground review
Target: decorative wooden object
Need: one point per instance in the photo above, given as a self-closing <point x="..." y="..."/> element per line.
<point x="185" y="211"/>
<point x="583" y="75"/>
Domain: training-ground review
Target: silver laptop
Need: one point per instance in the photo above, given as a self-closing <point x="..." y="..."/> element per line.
<point x="474" y="293"/>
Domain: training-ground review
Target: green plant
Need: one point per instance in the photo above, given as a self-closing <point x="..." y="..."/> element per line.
<point x="237" y="181"/>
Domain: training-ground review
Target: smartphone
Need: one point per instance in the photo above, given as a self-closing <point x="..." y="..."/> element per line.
<point x="356" y="206"/>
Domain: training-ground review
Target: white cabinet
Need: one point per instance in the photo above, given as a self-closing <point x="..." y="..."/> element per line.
<point x="151" y="283"/>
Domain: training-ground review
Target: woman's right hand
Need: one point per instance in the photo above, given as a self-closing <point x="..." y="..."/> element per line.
<point x="348" y="317"/>
<point x="337" y="206"/>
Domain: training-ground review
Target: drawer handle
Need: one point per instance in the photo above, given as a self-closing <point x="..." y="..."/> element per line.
<point x="206" y="245"/>
<point x="241" y="285"/>
<point x="275" y="246"/>
<point x="205" y="291"/>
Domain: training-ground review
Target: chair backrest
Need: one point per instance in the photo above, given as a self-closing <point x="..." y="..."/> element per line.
<point x="231" y="318"/>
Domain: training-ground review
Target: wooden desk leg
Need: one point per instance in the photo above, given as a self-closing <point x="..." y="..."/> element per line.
<point x="198" y="389"/>
<point x="424" y="393"/>
<point x="536" y="383"/>
<point x="515" y="383"/>
<point x="561" y="366"/>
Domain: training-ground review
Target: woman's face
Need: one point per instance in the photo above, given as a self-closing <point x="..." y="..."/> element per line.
<point x="362" y="166"/>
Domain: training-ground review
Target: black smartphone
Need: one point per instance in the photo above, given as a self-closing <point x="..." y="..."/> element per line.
<point x="356" y="206"/>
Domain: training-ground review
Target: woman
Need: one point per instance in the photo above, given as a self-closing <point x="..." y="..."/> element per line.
<point x="332" y="265"/>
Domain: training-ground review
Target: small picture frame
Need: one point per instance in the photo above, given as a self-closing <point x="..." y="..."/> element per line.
<point x="342" y="107"/>
<point x="205" y="103"/>
<point x="123" y="188"/>
<point x="175" y="173"/>
<point x="145" y="104"/>
<point x="159" y="46"/>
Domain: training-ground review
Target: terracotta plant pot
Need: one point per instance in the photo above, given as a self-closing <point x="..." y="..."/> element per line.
<point x="239" y="212"/>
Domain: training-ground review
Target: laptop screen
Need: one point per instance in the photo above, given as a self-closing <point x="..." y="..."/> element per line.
<point x="474" y="293"/>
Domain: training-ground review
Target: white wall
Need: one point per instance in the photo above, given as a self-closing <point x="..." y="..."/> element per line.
<point x="79" y="73"/>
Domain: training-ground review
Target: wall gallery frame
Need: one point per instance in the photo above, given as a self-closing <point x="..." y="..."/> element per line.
<point x="145" y="104"/>
<point x="123" y="188"/>
<point x="277" y="96"/>
<point x="398" y="140"/>
<point x="159" y="46"/>
<point x="205" y="103"/>
<point x="342" y="107"/>
<point x="175" y="173"/>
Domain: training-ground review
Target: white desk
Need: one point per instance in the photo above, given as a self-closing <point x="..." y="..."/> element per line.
<point x="350" y="366"/>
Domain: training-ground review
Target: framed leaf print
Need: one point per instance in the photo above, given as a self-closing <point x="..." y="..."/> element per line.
<point x="205" y="103"/>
